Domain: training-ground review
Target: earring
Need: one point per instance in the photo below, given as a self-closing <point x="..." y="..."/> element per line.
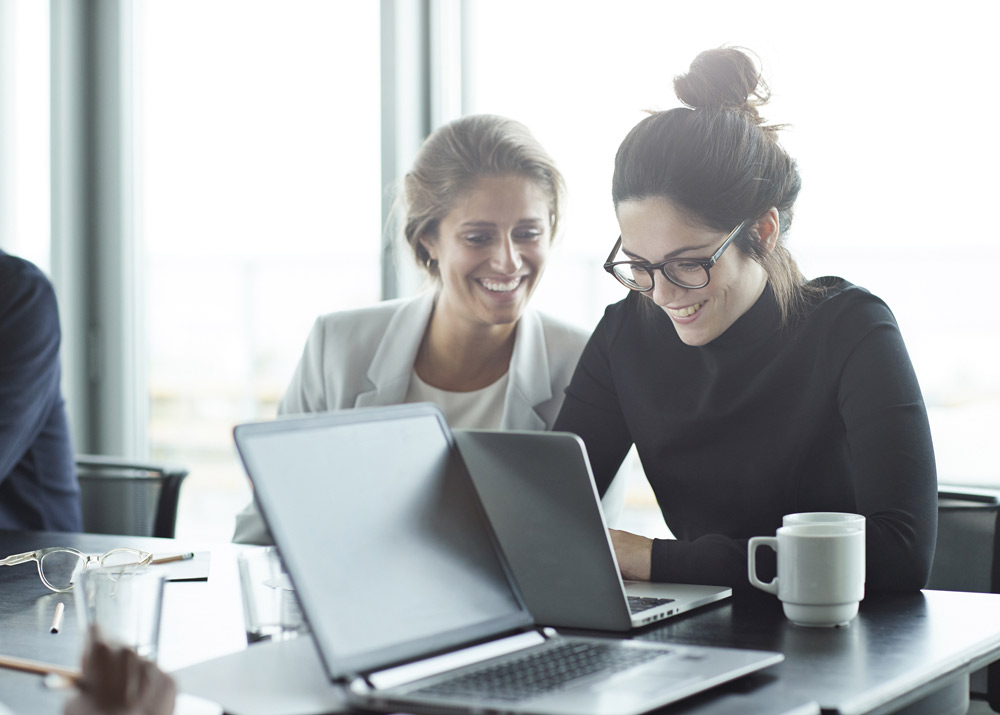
<point x="432" y="264"/>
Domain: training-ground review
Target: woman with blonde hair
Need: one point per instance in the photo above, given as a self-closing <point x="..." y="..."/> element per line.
<point x="482" y="208"/>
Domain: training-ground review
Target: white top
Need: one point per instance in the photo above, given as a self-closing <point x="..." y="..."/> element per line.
<point x="476" y="409"/>
<point x="365" y="357"/>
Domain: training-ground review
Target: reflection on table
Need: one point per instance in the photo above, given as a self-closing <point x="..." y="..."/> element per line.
<point x="901" y="649"/>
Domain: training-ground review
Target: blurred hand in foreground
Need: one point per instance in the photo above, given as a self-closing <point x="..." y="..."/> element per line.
<point x="116" y="681"/>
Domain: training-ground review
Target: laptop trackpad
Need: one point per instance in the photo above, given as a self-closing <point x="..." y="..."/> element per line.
<point x="653" y="678"/>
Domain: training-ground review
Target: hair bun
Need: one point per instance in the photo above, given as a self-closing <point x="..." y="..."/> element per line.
<point x="723" y="78"/>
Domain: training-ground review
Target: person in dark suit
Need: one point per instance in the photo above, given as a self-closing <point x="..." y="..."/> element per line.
<point x="38" y="484"/>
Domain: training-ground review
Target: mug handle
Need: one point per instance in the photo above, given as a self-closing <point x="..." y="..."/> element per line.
<point x="771" y="541"/>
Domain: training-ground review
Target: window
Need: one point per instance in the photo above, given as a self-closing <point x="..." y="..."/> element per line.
<point x="261" y="209"/>
<point x="259" y="198"/>
<point x="24" y="121"/>
<point x="890" y="124"/>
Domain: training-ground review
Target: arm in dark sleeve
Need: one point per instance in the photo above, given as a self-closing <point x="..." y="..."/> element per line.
<point x="889" y="440"/>
<point x="29" y="362"/>
<point x="713" y="559"/>
<point x="592" y="410"/>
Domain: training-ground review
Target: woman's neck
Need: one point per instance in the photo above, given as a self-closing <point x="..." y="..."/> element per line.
<point x="458" y="356"/>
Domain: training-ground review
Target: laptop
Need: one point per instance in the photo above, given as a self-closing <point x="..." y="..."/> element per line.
<point x="540" y="496"/>
<point x="409" y="598"/>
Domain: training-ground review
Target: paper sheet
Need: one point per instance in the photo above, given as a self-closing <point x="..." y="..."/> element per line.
<point x="195" y="569"/>
<point x="269" y="678"/>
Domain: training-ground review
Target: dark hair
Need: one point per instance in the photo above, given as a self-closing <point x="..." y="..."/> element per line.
<point x="716" y="159"/>
<point x="455" y="155"/>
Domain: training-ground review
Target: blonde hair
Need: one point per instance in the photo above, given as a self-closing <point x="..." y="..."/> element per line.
<point x="455" y="155"/>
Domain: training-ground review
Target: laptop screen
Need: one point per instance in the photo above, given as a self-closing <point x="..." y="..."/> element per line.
<point x="382" y="533"/>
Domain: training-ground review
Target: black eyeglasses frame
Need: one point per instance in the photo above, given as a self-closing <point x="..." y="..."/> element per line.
<point x="706" y="263"/>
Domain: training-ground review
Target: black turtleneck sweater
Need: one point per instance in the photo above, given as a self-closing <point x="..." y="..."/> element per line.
<point x="824" y="414"/>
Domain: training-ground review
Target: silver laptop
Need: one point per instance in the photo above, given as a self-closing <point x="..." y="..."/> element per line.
<point x="539" y="491"/>
<point x="406" y="590"/>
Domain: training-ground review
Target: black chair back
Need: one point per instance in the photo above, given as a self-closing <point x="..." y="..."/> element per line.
<point x="120" y="496"/>
<point x="967" y="558"/>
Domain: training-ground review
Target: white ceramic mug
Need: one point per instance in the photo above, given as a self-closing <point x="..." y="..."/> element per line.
<point x="821" y="572"/>
<point x="824" y="517"/>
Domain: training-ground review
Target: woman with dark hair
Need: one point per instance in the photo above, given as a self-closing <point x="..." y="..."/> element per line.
<point x="748" y="391"/>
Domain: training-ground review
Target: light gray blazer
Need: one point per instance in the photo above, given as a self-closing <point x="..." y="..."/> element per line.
<point x="364" y="357"/>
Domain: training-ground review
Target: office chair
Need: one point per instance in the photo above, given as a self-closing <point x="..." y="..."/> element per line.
<point x="967" y="558"/>
<point x="119" y="496"/>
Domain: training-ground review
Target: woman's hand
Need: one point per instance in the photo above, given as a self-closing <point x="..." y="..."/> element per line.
<point x="634" y="554"/>
<point x="116" y="681"/>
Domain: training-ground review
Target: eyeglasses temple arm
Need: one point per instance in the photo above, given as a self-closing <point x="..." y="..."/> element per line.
<point x="16" y="559"/>
<point x="607" y="263"/>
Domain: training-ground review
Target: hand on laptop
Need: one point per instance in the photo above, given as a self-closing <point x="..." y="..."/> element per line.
<point x="634" y="554"/>
<point x="116" y="680"/>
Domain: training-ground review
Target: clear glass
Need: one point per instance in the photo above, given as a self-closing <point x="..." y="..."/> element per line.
<point x="125" y="606"/>
<point x="58" y="565"/>
<point x="270" y="608"/>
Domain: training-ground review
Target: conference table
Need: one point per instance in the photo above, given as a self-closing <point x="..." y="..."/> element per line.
<point x="903" y="653"/>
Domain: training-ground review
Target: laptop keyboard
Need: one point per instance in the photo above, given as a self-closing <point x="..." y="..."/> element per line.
<point x="542" y="671"/>
<point x="636" y="604"/>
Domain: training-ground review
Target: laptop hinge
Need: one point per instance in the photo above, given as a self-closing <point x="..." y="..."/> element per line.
<point x="401" y="674"/>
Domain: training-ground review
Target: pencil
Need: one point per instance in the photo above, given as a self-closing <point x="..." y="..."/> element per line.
<point x="33" y="666"/>
<point x="175" y="557"/>
<point x="57" y="618"/>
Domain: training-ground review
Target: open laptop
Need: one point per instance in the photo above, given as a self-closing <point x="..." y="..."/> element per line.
<point x="542" y="502"/>
<point x="406" y="590"/>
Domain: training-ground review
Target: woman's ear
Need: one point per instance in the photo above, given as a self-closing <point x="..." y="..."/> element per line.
<point x="768" y="229"/>
<point x="430" y="245"/>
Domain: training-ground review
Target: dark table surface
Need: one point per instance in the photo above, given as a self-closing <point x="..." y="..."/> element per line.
<point x="200" y="619"/>
<point x="902" y="647"/>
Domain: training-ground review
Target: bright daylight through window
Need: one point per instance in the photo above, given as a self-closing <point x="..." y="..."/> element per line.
<point x="896" y="177"/>
<point x="261" y="201"/>
<point x="259" y="189"/>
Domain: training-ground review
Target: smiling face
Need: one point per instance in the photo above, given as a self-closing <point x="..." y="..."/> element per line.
<point x="654" y="229"/>
<point x="491" y="250"/>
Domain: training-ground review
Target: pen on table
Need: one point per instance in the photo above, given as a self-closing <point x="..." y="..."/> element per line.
<point x="175" y="557"/>
<point x="34" y="666"/>
<point x="57" y="618"/>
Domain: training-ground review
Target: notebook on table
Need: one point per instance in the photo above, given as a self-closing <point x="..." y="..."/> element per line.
<point x="540" y="496"/>
<point x="410" y="600"/>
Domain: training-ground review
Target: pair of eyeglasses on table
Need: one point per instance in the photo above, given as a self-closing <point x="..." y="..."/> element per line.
<point x="58" y="565"/>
